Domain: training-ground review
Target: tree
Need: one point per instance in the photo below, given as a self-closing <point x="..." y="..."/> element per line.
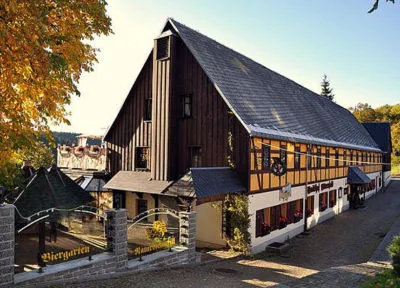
<point x="326" y="90"/>
<point x="364" y="112"/>
<point x="376" y="4"/>
<point x="45" y="47"/>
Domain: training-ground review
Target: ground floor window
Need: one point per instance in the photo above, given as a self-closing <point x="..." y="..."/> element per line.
<point x="278" y="217"/>
<point x="141" y="206"/>
<point x="332" y="198"/>
<point x="310" y="206"/>
<point x="323" y="201"/>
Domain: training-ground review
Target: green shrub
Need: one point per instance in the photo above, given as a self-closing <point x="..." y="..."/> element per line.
<point x="385" y="279"/>
<point x="394" y="252"/>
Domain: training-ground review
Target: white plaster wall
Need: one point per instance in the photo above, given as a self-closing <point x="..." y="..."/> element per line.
<point x="387" y="177"/>
<point x="269" y="199"/>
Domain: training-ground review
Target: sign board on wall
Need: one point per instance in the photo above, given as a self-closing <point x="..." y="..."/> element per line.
<point x="326" y="185"/>
<point x="313" y="188"/>
<point x="64" y="255"/>
<point x="285" y="191"/>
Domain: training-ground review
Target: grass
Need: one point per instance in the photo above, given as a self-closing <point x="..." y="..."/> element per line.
<point x="382" y="280"/>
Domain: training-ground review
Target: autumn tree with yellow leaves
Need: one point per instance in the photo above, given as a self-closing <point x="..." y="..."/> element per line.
<point x="45" y="46"/>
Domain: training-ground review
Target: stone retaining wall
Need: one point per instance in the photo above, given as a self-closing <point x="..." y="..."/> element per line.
<point x="113" y="261"/>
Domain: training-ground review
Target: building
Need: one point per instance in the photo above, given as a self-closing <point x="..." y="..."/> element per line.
<point x="240" y="128"/>
<point x="380" y="132"/>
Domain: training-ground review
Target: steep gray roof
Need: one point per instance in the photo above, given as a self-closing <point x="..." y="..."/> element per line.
<point x="267" y="103"/>
<point x="380" y="132"/>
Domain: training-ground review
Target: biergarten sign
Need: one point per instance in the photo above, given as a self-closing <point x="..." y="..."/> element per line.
<point x="64" y="255"/>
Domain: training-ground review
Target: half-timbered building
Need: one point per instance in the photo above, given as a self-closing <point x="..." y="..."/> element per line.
<point x="241" y="128"/>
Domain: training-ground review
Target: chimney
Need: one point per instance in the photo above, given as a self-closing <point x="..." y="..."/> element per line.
<point x="27" y="169"/>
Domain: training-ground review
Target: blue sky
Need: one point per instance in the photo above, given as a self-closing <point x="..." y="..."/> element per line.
<point x="301" y="40"/>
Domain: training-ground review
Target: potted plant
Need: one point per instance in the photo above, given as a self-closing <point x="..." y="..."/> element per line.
<point x="310" y="212"/>
<point x="322" y="206"/>
<point x="266" y="229"/>
<point x="297" y="216"/>
<point x="283" y="222"/>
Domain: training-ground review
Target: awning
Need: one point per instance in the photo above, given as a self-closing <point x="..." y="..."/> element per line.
<point x="136" y="181"/>
<point x="356" y="176"/>
<point x="213" y="181"/>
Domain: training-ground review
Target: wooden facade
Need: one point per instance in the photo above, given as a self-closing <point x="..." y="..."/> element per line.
<point x="212" y="132"/>
<point x="262" y="179"/>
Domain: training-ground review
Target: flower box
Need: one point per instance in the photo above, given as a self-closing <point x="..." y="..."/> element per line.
<point x="283" y="222"/>
<point x="297" y="216"/>
<point x="265" y="230"/>
<point x="322" y="206"/>
<point x="310" y="212"/>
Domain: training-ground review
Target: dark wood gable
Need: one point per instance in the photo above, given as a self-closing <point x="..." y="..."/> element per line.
<point x="211" y="136"/>
<point x="130" y="130"/>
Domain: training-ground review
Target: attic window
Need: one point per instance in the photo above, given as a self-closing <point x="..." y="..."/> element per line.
<point x="162" y="48"/>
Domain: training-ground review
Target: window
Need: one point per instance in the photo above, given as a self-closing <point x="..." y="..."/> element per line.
<point x="262" y="222"/>
<point x="351" y="158"/>
<point x="322" y="201"/>
<point x="266" y="157"/>
<point x="283" y="154"/>
<point x="319" y="158"/>
<point x="142" y="158"/>
<point x="336" y="158"/>
<point x="162" y="48"/>
<point x="357" y="158"/>
<point x="275" y="217"/>
<point x="344" y="158"/>
<point x="147" y="109"/>
<point x="294" y="212"/>
<point x="310" y="206"/>
<point x="327" y="157"/>
<point x="194" y="156"/>
<point x="141" y="206"/>
<point x="297" y="158"/>
<point x="187" y="106"/>
<point x="332" y="198"/>
<point x="309" y="159"/>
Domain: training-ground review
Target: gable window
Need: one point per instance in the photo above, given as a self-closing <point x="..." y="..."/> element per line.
<point x="147" y="109"/>
<point x="327" y="157"/>
<point x="187" y="106"/>
<point x="297" y="158"/>
<point x="319" y="158"/>
<point x="162" y="48"/>
<point x="142" y="158"/>
<point x="266" y="157"/>
<point x="195" y="156"/>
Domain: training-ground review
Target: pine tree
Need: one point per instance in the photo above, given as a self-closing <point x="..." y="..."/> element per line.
<point x="326" y="90"/>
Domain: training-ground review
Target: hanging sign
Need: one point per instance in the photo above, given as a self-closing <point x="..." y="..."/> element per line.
<point x="285" y="191"/>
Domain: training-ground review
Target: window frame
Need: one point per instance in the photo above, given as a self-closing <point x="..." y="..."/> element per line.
<point x="137" y="160"/>
<point x="148" y="109"/>
<point x="184" y="103"/>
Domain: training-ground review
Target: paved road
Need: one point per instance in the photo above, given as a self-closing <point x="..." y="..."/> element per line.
<point x="332" y="255"/>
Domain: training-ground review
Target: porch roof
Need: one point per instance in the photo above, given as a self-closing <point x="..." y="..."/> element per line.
<point x="356" y="176"/>
<point x="212" y="181"/>
<point x="137" y="181"/>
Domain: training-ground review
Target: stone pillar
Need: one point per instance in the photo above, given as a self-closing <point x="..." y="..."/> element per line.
<point x="7" y="239"/>
<point x="117" y="236"/>
<point x="187" y="233"/>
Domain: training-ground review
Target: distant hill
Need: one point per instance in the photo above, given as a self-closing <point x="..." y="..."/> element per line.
<point x="67" y="138"/>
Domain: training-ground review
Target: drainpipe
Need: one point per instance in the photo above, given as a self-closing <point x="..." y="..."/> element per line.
<point x="305" y="190"/>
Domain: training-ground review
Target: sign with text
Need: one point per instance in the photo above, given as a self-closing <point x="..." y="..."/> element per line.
<point x="327" y="185"/>
<point x="155" y="246"/>
<point x="64" y="255"/>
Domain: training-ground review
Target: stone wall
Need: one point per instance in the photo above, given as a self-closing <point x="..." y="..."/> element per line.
<point x="6" y="245"/>
<point x="113" y="261"/>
